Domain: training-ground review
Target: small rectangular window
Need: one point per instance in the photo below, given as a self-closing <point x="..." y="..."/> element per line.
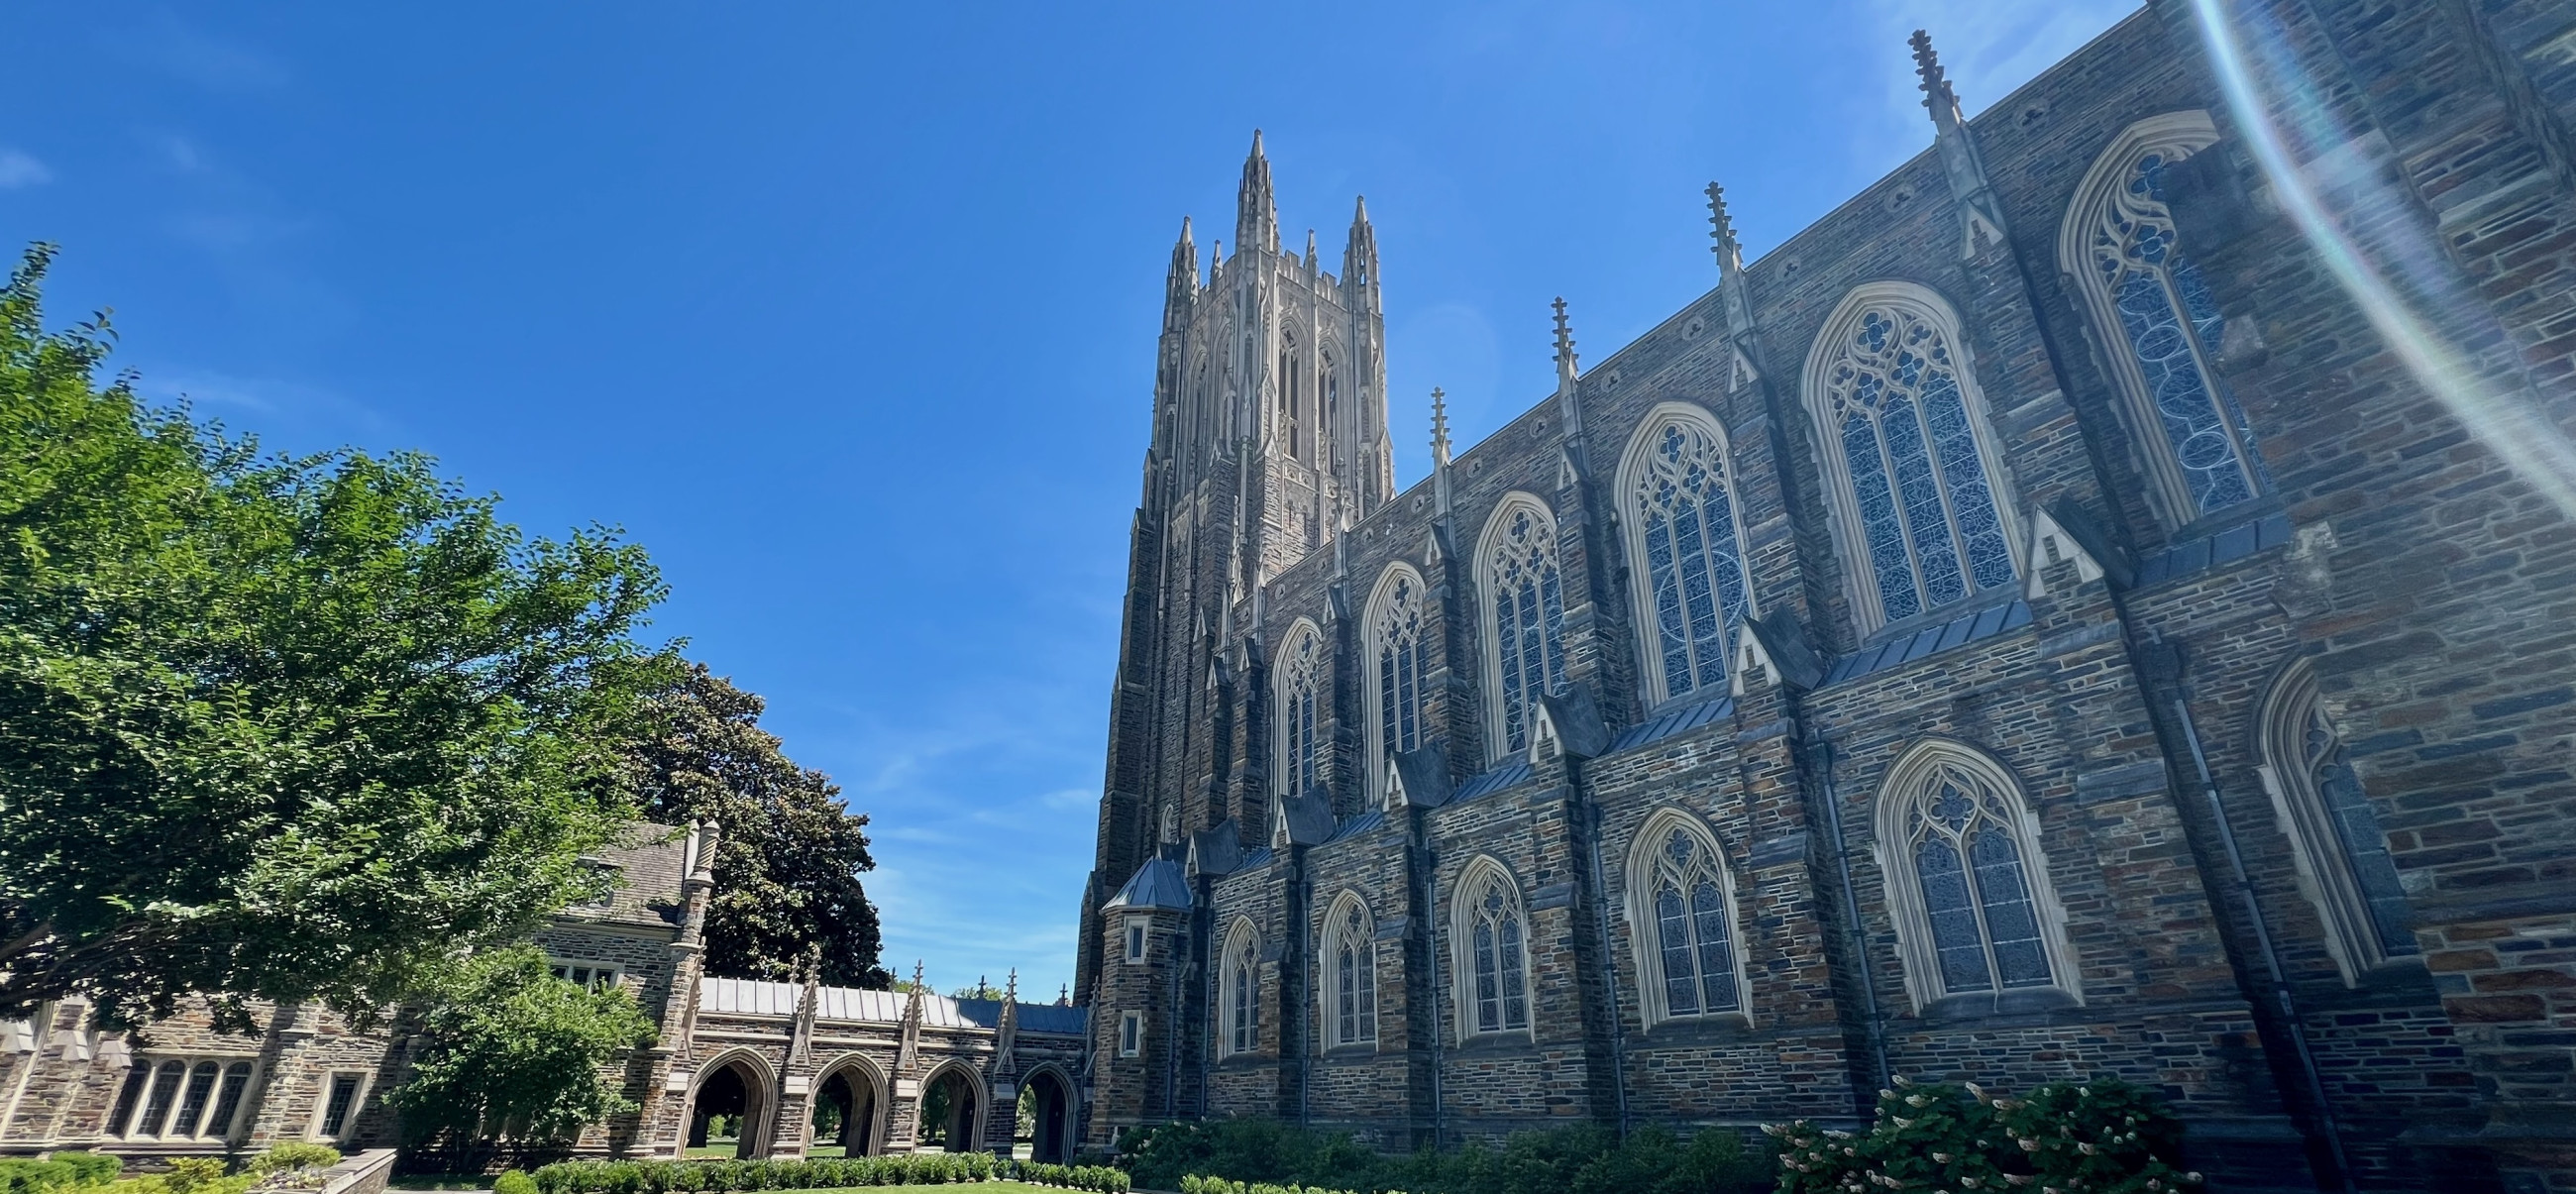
<point x="1135" y="939"/>
<point x="1131" y="1033"/>
<point x="591" y="975"/>
<point x="335" y="1109"/>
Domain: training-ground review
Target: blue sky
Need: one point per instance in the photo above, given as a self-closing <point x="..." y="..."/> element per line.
<point x="848" y="312"/>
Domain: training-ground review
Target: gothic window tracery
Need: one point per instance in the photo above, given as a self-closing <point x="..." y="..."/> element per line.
<point x="1913" y="468"/>
<point x="2157" y="318"/>
<point x="1396" y="665"/>
<point x="1525" y="615"/>
<point x="1682" y="913"/>
<point x="1300" y="662"/>
<point x="1685" y="549"/>
<point x="2339" y="850"/>
<point x="1975" y="912"/>
<point x="1350" y="940"/>
<point x="1495" y="966"/>
<point x="1239" y="991"/>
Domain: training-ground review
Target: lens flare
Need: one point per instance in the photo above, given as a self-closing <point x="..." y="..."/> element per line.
<point x="2498" y="403"/>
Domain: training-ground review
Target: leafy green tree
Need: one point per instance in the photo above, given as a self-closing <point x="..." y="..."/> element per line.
<point x="512" y="1053"/>
<point x="286" y="728"/>
<point x="787" y="871"/>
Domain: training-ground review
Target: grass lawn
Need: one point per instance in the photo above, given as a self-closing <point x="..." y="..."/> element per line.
<point x="976" y="1187"/>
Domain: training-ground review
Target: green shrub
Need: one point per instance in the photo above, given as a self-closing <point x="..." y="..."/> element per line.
<point x="514" y="1182"/>
<point x="2100" y="1137"/>
<point x="1579" y="1159"/>
<point x="188" y="1175"/>
<point x="290" y="1155"/>
<point x="23" y="1176"/>
<point x="90" y="1169"/>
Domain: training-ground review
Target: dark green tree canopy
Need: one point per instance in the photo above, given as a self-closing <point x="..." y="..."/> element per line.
<point x="286" y="728"/>
<point x="787" y="873"/>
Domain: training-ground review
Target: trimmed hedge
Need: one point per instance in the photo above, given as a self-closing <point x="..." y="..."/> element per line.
<point x="822" y="1173"/>
<point x="1194" y="1184"/>
<point x="1102" y="1178"/>
<point x="1579" y="1159"/>
<point x="67" y="1170"/>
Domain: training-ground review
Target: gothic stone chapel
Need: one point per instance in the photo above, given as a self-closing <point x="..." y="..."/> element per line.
<point x="2030" y="625"/>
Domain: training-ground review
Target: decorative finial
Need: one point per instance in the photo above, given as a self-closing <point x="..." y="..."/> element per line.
<point x="916" y="974"/>
<point x="1011" y="986"/>
<point x="1439" y="428"/>
<point x="1721" y="232"/>
<point x="1310" y="246"/>
<point x="1564" y="332"/>
<point x="1936" y="84"/>
<point x="1064" y="995"/>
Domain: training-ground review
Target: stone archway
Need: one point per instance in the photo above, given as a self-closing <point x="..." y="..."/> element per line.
<point x="952" y="1109"/>
<point x="1048" y="1099"/>
<point x="731" y="1092"/>
<point x="852" y="1096"/>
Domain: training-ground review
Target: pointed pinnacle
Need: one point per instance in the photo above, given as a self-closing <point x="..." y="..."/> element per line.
<point x="1564" y="330"/>
<point x="1721" y="227"/>
<point x="1439" y="427"/>
<point x="1256" y="143"/>
<point x="1310" y="244"/>
<point x="1359" y="211"/>
<point x="1927" y="65"/>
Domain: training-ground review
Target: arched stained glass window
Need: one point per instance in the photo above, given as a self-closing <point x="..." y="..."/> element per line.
<point x="1909" y="447"/>
<point x="1349" y="948"/>
<point x="1682" y="911"/>
<point x="1299" y="665"/>
<point x="2155" y="313"/>
<point x="1396" y="664"/>
<point x="1525" y="614"/>
<point x="1490" y="933"/>
<point x="1973" y="907"/>
<point x="1686" y="549"/>
<point x="2340" y="851"/>
<point x="1239" y="991"/>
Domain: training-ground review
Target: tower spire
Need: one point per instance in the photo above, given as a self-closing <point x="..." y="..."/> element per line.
<point x="1565" y="361"/>
<point x="1256" y="213"/>
<point x="1181" y="288"/>
<point x="1359" y="257"/>
<point x="1981" y="212"/>
<point x="1439" y="429"/>
<point x="1731" y="300"/>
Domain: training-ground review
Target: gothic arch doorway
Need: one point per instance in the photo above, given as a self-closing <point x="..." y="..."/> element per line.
<point x="729" y="1108"/>
<point x="1046" y="1106"/>
<point x="952" y="1110"/>
<point x="849" y="1112"/>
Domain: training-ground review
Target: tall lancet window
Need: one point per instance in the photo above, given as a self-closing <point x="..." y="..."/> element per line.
<point x="1524" y="615"/>
<point x="1300" y="663"/>
<point x="1905" y="434"/>
<point x="2340" y="852"/>
<point x="1682" y="912"/>
<point x="1494" y="969"/>
<point x="2155" y="312"/>
<point x="1395" y="631"/>
<point x="1686" y="546"/>
<point x="1239" y="991"/>
<point x="1291" y="393"/>
<point x="1350" y="1000"/>
<point x="1961" y="853"/>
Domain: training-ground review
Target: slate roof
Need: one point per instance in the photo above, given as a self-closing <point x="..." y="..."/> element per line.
<point x="757" y="997"/>
<point x="1671" y="722"/>
<point x="1966" y="628"/>
<point x="647" y="859"/>
<point x="1358" y="825"/>
<point x="1157" y="884"/>
<point x="1501" y="776"/>
<point x="2192" y="555"/>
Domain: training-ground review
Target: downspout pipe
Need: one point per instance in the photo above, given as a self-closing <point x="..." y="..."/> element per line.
<point x="2284" y="1000"/>
<point x="1439" y="984"/>
<point x="1591" y="813"/>
<point x="1876" y="1028"/>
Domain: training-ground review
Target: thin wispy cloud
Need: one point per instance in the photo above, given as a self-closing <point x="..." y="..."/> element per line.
<point x="18" y="168"/>
<point x="166" y="45"/>
<point x="1988" y="47"/>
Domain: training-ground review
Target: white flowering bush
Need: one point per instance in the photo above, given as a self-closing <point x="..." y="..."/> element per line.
<point x="2104" y="1137"/>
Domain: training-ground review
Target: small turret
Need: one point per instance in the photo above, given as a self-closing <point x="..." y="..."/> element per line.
<point x="1256" y="211"/>
<point x="1732" y="302"/>
<point x="1181" y="288"/>
<point x="1359" y="258"/>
